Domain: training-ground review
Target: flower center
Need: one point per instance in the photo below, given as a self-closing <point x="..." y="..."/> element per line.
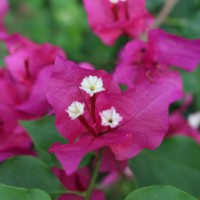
<point x="119" y="9"/>
<point x="92" y="85"/>
<point x="92" y="88"/>
<point x="154" y="70"/>
<point x="75" y="110"/>
<point x="116" y="1"/>
<point x="110" y="118"/>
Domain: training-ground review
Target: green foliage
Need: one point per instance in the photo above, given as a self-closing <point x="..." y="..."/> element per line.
<point x="192" y="82"/>
<point x="29" y="172"/>
<point x="15" y="193"/>
<point x="43" y="133"/>
<point x="176" y="162"/>
<point x="86" y="159"/>
<point x="159" y="193"/>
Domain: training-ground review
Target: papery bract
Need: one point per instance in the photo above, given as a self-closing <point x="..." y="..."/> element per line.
<point x="64" y="89"/>
<point x="180" y="125"/>
<point x="144" y="112"/>
<point x="110" y="20"/>
<point x="150" y="62"/>
<point x="113" y="168"/>
<point x="78" y="181"/>
<point x="14" y="139"/>
<point x="31" y="64"/>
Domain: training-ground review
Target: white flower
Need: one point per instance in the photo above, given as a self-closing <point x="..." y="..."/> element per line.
<point x="92" y="85"/>
<point x="75" y="109"/>
<point x="194" y="120"/>
<point x="110" y="118"/>
<point x="116" y="1"/>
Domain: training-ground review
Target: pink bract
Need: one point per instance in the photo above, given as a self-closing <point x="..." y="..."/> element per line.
<point x="144" y="111"/>
<point x="178" y="123"/>
<point x="150" y="62"/>
<point x="109" y="20"/>
<point x="78" y="181"/>
<point x="14" y="139"/>
<point x="31" y="64"/>
<point x="113" y="168"/>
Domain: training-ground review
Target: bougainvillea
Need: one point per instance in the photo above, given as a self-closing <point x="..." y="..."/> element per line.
<point x="30" y="64"/>
<point x="110" y="19"/>
<point x="14" y="138"/>
<point x="88" y="131"/>
<point x="180" y="125"/>
<point x="150" y="62"/>
<point x="100" y="115"/>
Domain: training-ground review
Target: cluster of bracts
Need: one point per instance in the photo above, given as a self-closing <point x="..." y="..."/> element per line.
<point x="91" y="110"/>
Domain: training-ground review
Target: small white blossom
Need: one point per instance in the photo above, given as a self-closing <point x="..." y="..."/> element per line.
<point x="75" y="109"/>
<point x="92" y="85"/>
<point x="116" y="1"/>
<point x="110" y="118"/>
<point x="194" y="120"/>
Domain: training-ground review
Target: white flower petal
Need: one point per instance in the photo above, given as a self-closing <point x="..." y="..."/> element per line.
<point x="92" y="85"/>
<point x="110" y="118"/>
<point x="194" y="120"/>
<point x="75" y="109"/>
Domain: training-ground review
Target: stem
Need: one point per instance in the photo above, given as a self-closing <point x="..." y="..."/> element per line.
<point x="94" y="177"/>
<point x="163" y="14"/>
<point x="93" y="102"/>
<point x="87" y="126"/>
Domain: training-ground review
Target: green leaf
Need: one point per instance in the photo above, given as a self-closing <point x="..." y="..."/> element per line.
<point x="43" y="133"/>
<point x="191" y="80"/>
<point x="86" y="159"/>
<point x="176" y="162"/>
<point x="159" y="193"/>
<point x="29" y="172"/>
<point x="15" y="193"/>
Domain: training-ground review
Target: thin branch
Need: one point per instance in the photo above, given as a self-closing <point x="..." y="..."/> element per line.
<point x="94" y="177"/>
<point x="163" y="14"/>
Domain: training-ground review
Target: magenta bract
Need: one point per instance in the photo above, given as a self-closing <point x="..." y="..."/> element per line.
<point x="180" y="125"/>
<point x="30" y="64"/>
<point x="78" y="181"/>
<point x="110" y="20"/>
<point x="143" y="113"/>
<point x="150" y="62"/>
<point x="14" y="139"/>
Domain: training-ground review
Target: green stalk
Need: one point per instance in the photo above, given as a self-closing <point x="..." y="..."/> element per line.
<point x="94" y="178"/>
